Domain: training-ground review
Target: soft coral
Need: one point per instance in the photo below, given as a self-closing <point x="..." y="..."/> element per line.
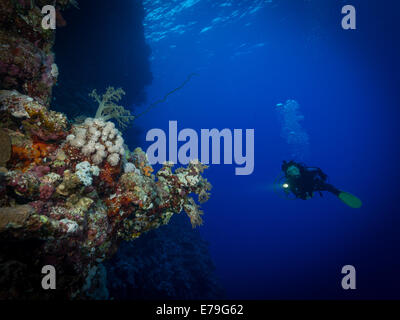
<point x="108" y="109"/>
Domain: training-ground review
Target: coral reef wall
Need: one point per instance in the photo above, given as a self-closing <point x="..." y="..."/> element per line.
<point x="69" y="206"/>
<point x="171" y="262"/>
<point x="69" y="194"/>
<point x="26" y="57"/>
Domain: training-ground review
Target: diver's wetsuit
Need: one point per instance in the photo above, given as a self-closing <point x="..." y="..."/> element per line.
<point x="309" y="180"/>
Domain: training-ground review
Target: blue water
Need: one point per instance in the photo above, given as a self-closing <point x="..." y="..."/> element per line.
<point x="249" y="56"/>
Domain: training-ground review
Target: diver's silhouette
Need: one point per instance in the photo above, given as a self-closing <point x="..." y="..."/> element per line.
<point x="303" y="181"/>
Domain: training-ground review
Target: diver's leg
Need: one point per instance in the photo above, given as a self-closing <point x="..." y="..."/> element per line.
<point x="330" y="188"/>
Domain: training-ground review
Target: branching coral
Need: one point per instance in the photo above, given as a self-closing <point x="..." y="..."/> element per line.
<point x="184" y="182"/>
<point x="108" y="109"/>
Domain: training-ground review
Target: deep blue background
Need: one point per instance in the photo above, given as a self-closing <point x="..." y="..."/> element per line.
<point x="346" y="83"/>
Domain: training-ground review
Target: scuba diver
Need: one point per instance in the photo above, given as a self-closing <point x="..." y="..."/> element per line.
<point x="303" y="181"/>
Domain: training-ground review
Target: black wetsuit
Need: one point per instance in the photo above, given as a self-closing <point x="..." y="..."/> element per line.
<point x="310" y="180"/>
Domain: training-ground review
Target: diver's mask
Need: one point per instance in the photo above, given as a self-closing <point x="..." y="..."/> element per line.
<point x="293" y="171"/>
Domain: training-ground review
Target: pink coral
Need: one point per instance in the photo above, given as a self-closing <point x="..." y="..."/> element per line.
<point x="41" y="171"/>
<point x="46" y="191"/>
<point x="38" y="205"/>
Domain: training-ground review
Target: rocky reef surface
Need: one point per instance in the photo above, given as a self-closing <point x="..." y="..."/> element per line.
<point x="69" y="193"/>
<point x="26" y="59"/>
<point x="171" y="262"/>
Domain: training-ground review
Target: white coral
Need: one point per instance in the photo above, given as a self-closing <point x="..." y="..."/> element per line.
<point x="98" y="140"/>
<point x="129" y="167"/>
<point x="113" y="159"/>
<point x="95" y="170"/>
<point x="89" y="148"/>
<point x="84" y="170"/>
<point x="54" y="71"/>
<point x="70" y="225"/>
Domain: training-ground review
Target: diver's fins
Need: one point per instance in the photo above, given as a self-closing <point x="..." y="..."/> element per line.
<point x="349" y="199"/>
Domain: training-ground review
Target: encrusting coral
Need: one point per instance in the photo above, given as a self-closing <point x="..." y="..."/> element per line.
<point x="27" y="63"/>
<point x="5" y="151"/>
